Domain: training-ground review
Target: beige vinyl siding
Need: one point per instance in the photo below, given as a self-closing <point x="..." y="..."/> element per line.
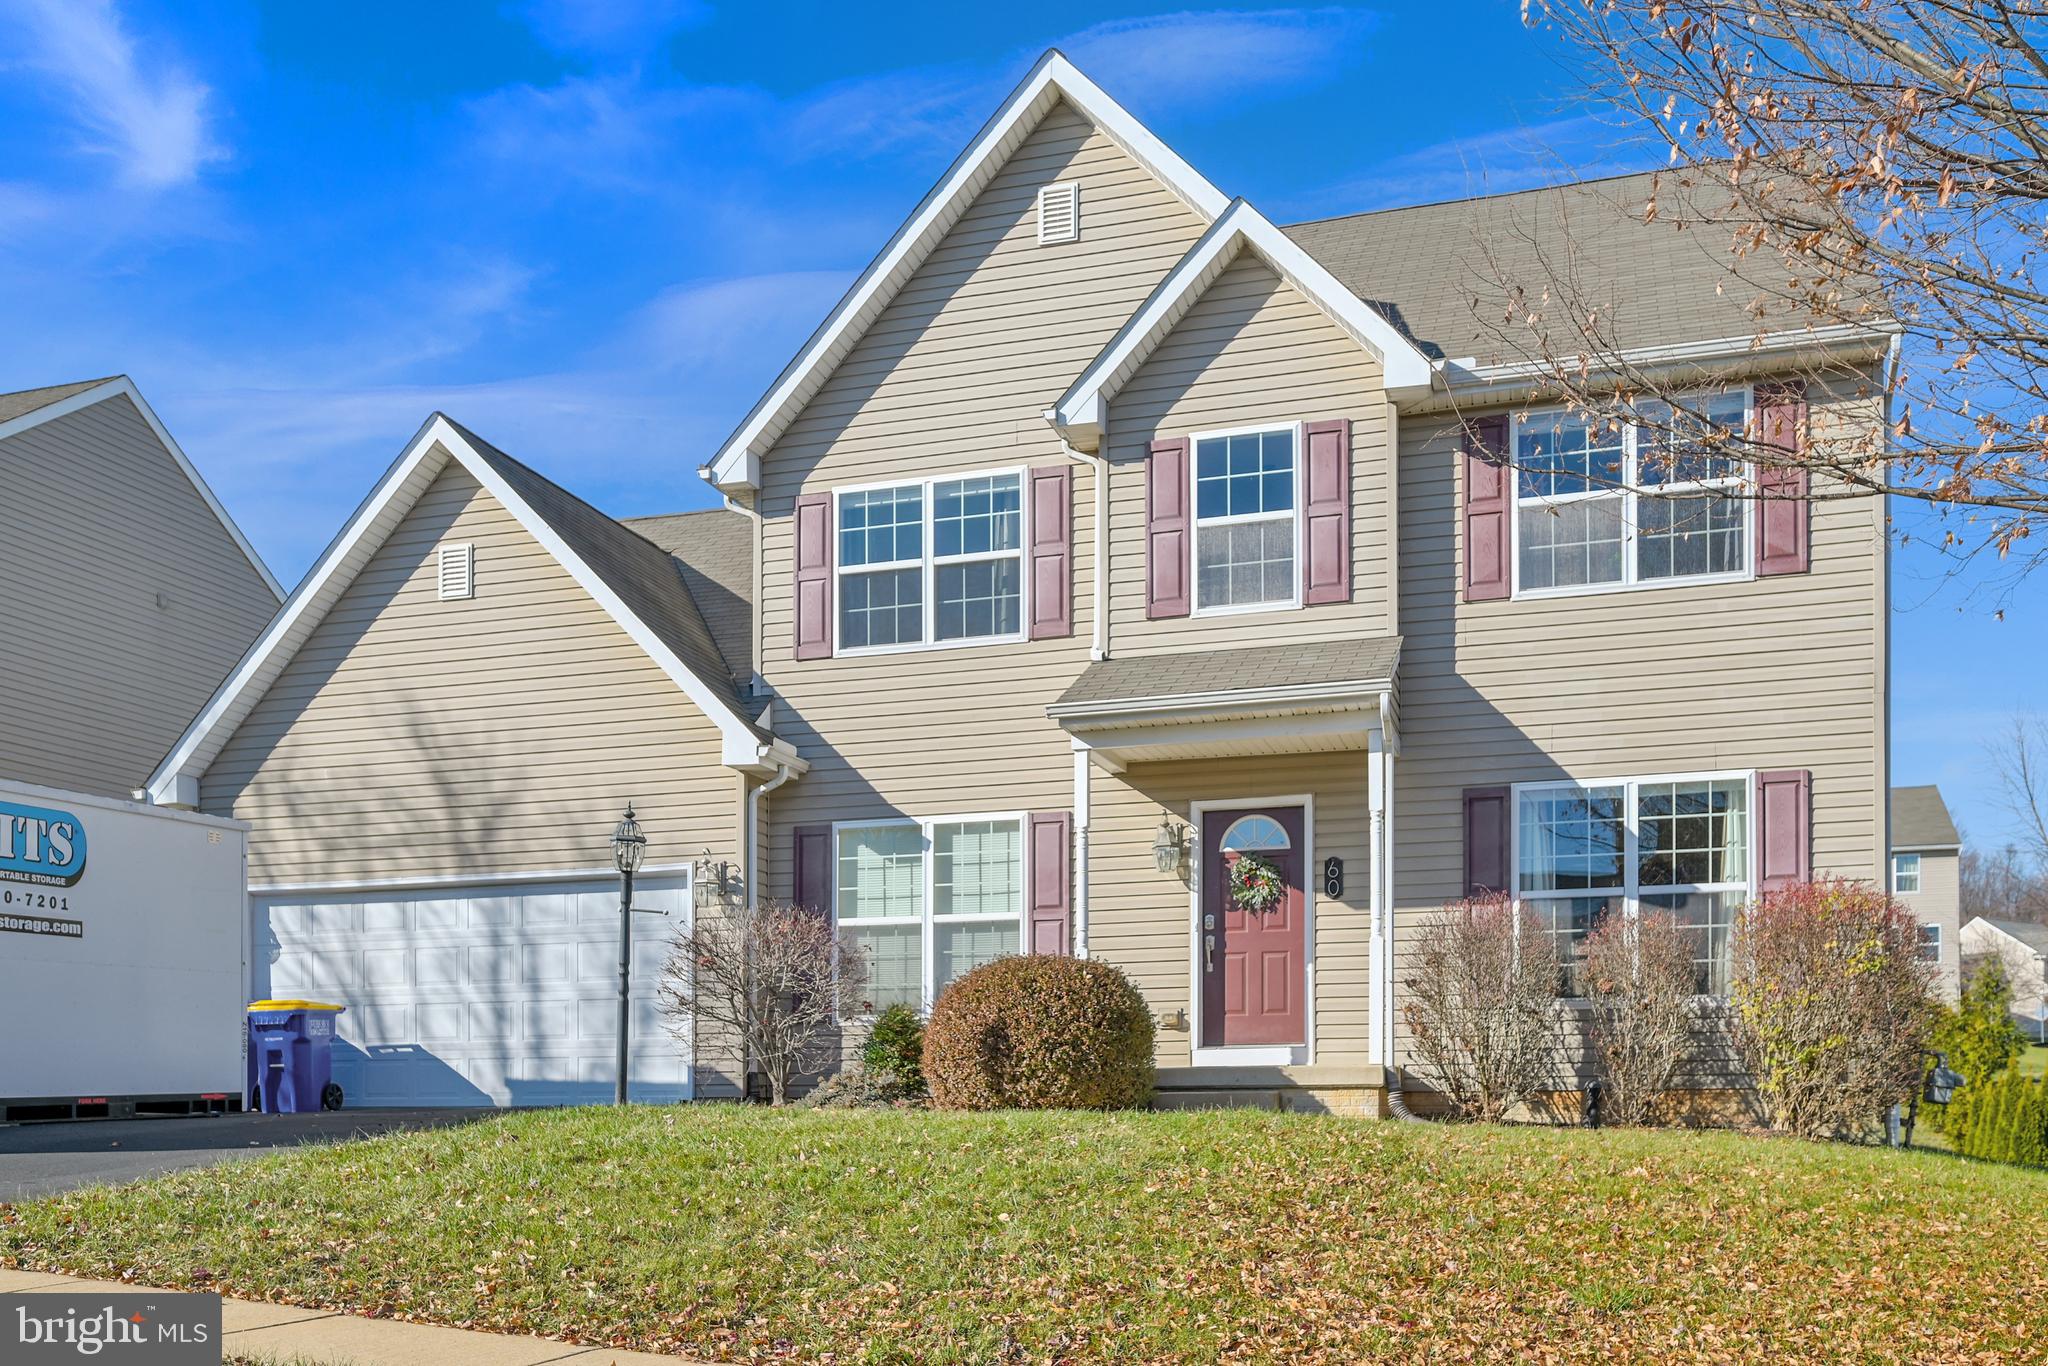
<point x="1939" y="902"/>
<point x="125" y="600"/>
<point x="1252" y="351"/>
<point x="1141" y="920"/>
<point x="1782" y="672"/>
<point x="953" y="378"/>
<point x="502" y="734"/>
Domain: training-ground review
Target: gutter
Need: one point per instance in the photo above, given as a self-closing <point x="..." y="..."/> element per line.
<point x="1363" y="692"/>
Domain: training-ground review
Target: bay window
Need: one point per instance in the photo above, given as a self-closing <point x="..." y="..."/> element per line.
<point x="1676" y="846"/>
<point x="928" y="901"/>
<point x="1613" y="500"/>
<point x="1245" y="520"/>
<point x="934" y="562"/>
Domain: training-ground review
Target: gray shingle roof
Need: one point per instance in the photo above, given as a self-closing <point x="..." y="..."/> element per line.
<point x="1424" y="267"/>
<point x="645" y="576"/>
<point x="716" y="551"/>
<point x="1920" y="819"/>
<point x="1130" y="678"/>
<point x="24" y="401"/>
<point x="2028" y="932"/>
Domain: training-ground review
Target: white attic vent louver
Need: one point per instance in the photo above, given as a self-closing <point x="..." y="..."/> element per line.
<point x="458" y="576"/>
<point x="1059" y="213"/>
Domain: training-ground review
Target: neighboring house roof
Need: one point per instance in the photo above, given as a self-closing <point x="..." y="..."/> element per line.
<point x="28" y="408"/>
<point x="1051" y="79"/>
<point x="636" y="582"/>
<point x="715" y="550"/>
<point x="1442" y="273"/>
<point x="2030" y="933"/>
<point x="24" y="401"/>
<point x="1920" y="820"/>
<point x="1240" y="673"/>
<point x="1079" y="413"/>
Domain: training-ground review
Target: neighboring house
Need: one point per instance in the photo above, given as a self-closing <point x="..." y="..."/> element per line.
<point x="2022" y="947"/>
<point x="126" y="591"/>
<point x="1106" y="534"/>
<point x="1925" y="872"/>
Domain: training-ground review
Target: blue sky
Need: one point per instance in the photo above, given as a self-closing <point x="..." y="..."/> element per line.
<point x="595" y="231"/>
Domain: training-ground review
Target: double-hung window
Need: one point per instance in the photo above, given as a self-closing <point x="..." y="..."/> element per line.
<point x="1246" y="525"/>
<point x="936" y="562"/>
<point x="1906" y="873"/>
<point x="928" y="901"/>
<point x="1613" y="500"/>
<point x="1676" y="846"/>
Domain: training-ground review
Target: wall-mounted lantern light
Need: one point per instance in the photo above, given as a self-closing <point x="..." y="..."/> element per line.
<point x="1170" y="846"/>
<point x="712" y="883"/>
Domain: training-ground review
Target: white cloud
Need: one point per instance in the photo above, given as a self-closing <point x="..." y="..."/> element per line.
<point x="1212" y="62"/>
<point x="1497" y="161"/>
<point x="150" y="117"/>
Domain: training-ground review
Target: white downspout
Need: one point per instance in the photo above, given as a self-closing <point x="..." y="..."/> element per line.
<point x="783" y="774"/>
<point x="1081" y="776"/>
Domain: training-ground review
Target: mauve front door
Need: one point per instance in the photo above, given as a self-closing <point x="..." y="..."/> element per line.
<point x="1254" y="964"/>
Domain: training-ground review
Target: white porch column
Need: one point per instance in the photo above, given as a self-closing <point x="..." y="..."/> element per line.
<point x="1080" y="928"/>
<point x="1379" y="1031"/>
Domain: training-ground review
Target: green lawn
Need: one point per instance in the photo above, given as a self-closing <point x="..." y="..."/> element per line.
<point x="738" y="1233"/>
<point x="2034" y="1062"/>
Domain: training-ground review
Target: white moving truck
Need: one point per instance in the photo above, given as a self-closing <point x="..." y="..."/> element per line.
<point x="123" y="956"/>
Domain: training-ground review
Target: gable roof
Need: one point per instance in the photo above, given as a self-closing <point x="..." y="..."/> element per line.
<point x="27" y="408"/>
<point x="1440" y="272"/>
<point x="1920" y="820"/>
<point x="2028" y="932"/>
<point x="715" y="551"/>
<point x="1078" y="414"/>
<point x="1051" y="79"/>
<point x="635" y="581"/>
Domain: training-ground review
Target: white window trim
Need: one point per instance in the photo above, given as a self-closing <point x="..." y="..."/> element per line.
<point x="1196" y="521"/>
<point x="930" y="562"/>
<point x="1631" y="891"/>
<point x="1898" y="886"/>
<point x="927" y="921"/>
<point x="1926" y="926"/>
<point x="1253" y="1055"/>
<point x="1631" y="494"/>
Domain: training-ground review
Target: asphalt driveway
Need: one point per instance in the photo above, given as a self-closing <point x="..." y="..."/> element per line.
<point x="45" y="1159"/>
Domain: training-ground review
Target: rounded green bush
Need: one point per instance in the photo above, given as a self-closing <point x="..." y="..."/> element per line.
<point x="1040" y="1033"/>
<point x="895" y="1047"/>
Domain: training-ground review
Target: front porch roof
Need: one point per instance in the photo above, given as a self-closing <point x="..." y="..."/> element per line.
<point x="1261" y="699"/>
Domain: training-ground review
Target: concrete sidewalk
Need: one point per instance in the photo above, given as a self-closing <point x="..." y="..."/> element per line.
<point x="282" y="1333"/>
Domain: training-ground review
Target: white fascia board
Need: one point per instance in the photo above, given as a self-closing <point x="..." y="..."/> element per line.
<point x="174" y="781"/>
<point x="1053" y="77"/>
<point x="1406" y="372"/>
<point x="123" y="387"/>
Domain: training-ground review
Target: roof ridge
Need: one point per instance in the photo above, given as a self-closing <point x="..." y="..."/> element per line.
<point x="622" y="523"/>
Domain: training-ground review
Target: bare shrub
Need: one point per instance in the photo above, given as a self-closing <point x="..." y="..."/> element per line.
<point x="1481" y="1005"/>
<point x="768" y="984"/>
<point x="1832" y="1006"/>
<point x="1640" y="981"/>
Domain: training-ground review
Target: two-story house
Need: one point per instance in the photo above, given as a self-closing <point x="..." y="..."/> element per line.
<point x="1104" y="536"/>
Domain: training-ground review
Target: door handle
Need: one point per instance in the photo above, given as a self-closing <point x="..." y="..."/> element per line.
<point x="1208" y="953"/>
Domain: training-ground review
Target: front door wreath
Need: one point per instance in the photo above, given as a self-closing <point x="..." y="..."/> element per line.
<point x="1255" y="884"/>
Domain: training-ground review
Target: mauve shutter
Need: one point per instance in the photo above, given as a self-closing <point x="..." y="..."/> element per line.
<point x="1785" y="824"/>
<point x="1782" y="511"/>
<point x="1327" y="510"/>
<point x="1489" y="503"/>
<point x="1049" y="497"/>
<point x="1167" y="551"/>
<point x="814" y="576"/>
<point x="1048" y="838"/>
<point x="1486" y="840"/>
<point x="814" y="868"/>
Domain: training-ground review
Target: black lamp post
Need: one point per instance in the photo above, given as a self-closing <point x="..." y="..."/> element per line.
<point x="629" y="845"/>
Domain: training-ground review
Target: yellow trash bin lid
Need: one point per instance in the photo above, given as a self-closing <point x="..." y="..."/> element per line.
<point x="255" y="1006"/>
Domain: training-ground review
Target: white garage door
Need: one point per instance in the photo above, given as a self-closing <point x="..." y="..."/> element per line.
<point x="501" y="995"/>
